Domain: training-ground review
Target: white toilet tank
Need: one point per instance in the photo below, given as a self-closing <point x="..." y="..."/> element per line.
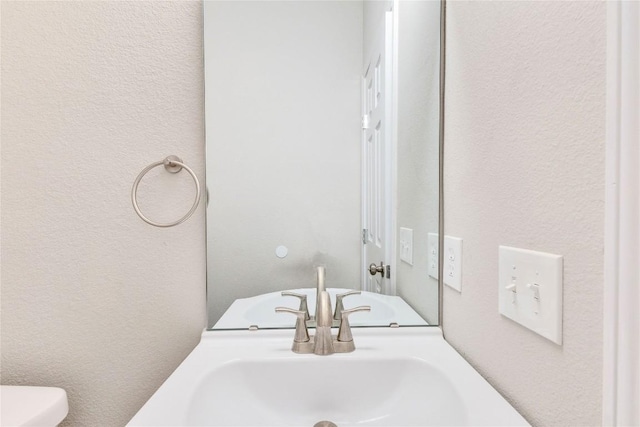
<point x="32" y="406"/>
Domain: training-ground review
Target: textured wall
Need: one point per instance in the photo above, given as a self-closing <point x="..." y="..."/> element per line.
<point x="93" y="299"/>
<point x="283" y="145"/>
<point x="524" y="166"/>
<point x="418" y="142"/>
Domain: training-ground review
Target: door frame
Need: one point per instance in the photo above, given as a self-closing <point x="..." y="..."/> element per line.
<point x="621" y="300"/>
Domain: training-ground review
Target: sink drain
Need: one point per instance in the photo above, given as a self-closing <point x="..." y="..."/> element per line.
<point x="324" y="424"/>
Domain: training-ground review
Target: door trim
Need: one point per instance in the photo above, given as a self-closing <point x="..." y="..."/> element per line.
<point x="621" y="299"/>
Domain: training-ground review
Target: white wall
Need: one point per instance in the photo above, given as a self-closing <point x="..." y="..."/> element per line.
<point x="93" y="299"/>
<point x="418" y="142"/>
<point x="524" y="166"/>
<point x="288" y="175"/>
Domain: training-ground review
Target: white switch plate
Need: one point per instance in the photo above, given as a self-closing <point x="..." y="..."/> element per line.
<point x="453" y="262"/>
<point x="520" y="270"/>
<point x="432" y="256"/>
<point x="406" y="245"/>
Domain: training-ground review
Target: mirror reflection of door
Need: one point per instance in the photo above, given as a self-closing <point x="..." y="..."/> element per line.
<point x="377" y="148"/>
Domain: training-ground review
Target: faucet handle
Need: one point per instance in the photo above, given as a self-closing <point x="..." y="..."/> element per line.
<point x="344" y="333"/>
<point x="303" y="302"/>
<point x="339" y="306"/>
<point x="302" y="334"/>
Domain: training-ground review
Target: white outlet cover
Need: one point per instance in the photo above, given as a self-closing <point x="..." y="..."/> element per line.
<point x="406" y="245"/>
<point x="520" y="270"/>
<point x="452" y="258"/>
<point x="432" y="256"/>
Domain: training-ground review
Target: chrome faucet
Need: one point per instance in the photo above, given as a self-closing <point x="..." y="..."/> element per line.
<point x="323" y="343"/>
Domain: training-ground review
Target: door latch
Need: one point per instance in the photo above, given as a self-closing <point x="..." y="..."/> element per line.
<point x="384" y="270"/>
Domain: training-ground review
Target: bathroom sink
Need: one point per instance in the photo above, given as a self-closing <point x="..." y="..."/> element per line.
<point x="260" y="310"/>
<point x="346" y="391"/>
<point x="395" y="377"/>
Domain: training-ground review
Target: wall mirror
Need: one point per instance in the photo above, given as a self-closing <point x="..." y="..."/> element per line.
<point x="322" y="140"/>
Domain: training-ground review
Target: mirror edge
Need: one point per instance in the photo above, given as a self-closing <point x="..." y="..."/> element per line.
<point x="443" y="24"/>
<point x="443" y="4"/>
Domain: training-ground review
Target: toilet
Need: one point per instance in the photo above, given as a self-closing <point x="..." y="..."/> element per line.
<point x="32" y="406"/>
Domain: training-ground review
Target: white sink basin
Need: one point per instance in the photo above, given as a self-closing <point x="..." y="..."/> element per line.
<point x="260" y="310"/>
<point x="396" y="377"/>
<point x="301" y="392"/>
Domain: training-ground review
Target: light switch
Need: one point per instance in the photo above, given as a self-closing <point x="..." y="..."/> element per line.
<point x="406" y="245"/>
<point x="530" y="290"/>
<point x="432" y="256"/>
<point x="452" y="257"/>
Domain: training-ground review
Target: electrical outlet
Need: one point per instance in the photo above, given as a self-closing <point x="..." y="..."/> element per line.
<point x="432" y="256"/>
<point x="406" y="245"/>
<point x="453" y="262"/>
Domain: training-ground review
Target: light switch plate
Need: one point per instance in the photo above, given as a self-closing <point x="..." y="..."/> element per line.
<point x="530" y="290"/>
<point x="406" y="245"/>
<point x="453" y="262"/>
<point x="432" y="256"/>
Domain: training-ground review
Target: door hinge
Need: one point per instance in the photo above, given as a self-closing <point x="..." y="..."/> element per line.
<point x="364" y="236"/>
<point x="365" y="121"/>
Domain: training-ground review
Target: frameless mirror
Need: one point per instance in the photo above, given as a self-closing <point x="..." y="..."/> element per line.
<point x="322" y="133"/>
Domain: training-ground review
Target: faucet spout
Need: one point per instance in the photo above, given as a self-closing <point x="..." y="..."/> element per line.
<point x="321" y="273"/>
<point x="323" y="340"/>
<point x="319" y="286"/>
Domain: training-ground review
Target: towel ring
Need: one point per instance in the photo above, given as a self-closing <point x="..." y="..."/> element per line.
<point x="173" y="164"/>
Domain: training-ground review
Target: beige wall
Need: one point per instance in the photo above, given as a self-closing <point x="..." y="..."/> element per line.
<point x="92" y="296"/>
<point x="524" y="167"/>
<point x="93" y="299"/>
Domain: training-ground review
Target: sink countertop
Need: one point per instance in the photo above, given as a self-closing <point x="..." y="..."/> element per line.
<point x="217" y="349"/>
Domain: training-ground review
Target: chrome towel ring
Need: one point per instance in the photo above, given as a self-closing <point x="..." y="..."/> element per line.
<point x="172" y="164"/>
